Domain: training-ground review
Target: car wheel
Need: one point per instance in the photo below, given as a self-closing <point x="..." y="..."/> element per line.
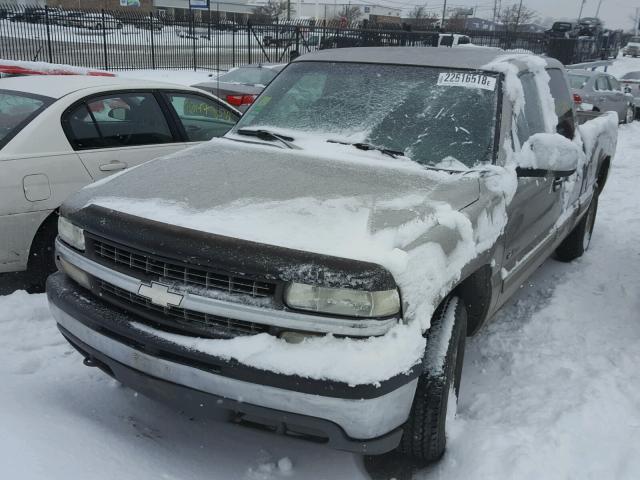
<point x="41" y="262"/>
<point x="629" y="115"/>
<point x="578" y="241"/>
<point x="435" y="401"/>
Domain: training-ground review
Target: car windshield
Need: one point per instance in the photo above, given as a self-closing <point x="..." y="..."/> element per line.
<point x="578" y="81"/>
<point x="17" y="109"/>
<point x="434" y="116"/>
<point x="631" y="76"/>
<point x="562" y="27"/>
<point x="250" y="75"/>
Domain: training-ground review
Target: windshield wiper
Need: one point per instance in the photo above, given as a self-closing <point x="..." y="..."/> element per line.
<point x="368" y="146"/>
<point x="268" y="136"/>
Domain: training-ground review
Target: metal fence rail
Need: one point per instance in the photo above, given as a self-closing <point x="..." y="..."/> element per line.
<point x="115" y="40"/>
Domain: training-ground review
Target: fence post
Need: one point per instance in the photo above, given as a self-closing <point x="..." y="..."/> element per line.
<point x="297" y="40"/>
<point x="193" y="35"/>
<point x="46" y="19"/>
<point x="249" y="40"/>
<point x="104" y="41"/>
<point x="153" y="51"/>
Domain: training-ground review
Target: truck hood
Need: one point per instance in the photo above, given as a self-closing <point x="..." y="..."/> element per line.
<point x="334" y="202"/>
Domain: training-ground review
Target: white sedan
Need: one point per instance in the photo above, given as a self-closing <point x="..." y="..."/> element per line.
<point x="60" y="133"/>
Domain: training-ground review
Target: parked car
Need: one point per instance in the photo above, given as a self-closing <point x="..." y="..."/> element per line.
<point x="631" y="84"/>
<point x="601" y="92"/>
<point x="590" y="27"/>
<point x="564" y="30"/>
<point x="95" y="21"/>
<point x="453" y="40"/>
<point x="632" y="48"/>
<point x="150" y="23"/>
<point x="58" y="134"/>
<point x="318" y="269"/>
<point x="10" y="68"/>
<point x="240" y="86"/>
<point x="284" y="39"/>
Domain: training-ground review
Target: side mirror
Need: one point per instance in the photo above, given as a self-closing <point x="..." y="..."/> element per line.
<point x="118" y="113"/>
<point x="548" y="154"/>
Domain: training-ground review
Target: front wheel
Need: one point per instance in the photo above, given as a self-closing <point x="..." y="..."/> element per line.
<point x="578" y="241"/>
<point x="436" y="396"/>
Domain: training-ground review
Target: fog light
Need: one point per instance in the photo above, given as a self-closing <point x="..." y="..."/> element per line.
<point x="297" y="337"/>
<point x="75" y="273"/>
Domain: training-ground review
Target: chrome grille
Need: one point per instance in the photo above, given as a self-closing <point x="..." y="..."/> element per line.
<point x="176" y="272"/>
<point x="177" y="318"/>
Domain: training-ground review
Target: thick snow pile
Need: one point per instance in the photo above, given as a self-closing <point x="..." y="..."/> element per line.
<point x="556" y="151"/>
<point x="550" y="389"/>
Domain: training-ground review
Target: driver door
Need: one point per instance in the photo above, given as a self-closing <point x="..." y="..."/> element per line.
<point x="536" y="206"/>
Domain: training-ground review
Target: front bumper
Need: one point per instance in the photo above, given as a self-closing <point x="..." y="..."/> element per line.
<point x="365" y="418"/>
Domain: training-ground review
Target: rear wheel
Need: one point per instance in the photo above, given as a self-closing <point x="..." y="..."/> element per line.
<point x="436" y="396"/>
<point x="41" y="262"/>
<point x="578" y="241"/>
<point x="630" y="114"/>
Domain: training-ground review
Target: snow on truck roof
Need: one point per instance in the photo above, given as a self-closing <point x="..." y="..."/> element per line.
<point x="473" y="58"/>
<point x="57" y="86"/>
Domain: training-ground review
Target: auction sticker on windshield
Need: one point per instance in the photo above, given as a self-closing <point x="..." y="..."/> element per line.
<point x="468" y="80"/>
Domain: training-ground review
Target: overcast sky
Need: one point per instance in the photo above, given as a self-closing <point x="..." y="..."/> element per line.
<point x="614" y="13"/>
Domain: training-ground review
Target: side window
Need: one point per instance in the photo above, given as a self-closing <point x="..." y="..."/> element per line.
<point x="602" y="84"/>
<point x="563" y="102"/>
<point x="81" y="129"/>
<point x="202" y="118"/>
<point x="122" y="120"/>
<point x="613" y="83"/>
<point x="530" y="121"/>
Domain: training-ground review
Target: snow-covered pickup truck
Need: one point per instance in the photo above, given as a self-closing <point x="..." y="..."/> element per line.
<point x="318" y="269"/>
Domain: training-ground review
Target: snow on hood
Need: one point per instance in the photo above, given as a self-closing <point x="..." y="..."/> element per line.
<point x="365" y="208"/>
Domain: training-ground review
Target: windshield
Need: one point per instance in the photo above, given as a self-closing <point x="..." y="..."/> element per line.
<point x="17" y="109"/>
<point x="561" y="27"/>
<point x="578" y="81"/>
<point x="250" y="75"/>
<point x="434" y="116"/>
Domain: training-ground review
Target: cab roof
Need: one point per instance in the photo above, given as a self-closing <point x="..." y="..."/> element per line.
<point x="57" y="86"/>
<point x="462" y="57"/>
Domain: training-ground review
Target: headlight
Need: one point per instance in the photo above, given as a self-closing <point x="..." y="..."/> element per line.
<point x="71" y="234"/>
<point x="343" y="301"/>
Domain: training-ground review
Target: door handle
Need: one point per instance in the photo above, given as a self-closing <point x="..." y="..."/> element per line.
<point x="557" y="183"/>
<point x="113" y="166"/>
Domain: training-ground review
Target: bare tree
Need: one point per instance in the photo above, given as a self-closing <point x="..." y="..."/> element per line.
<point x="457" y="21"/>
<point x="350" y="13"/>
<point x="515" y="15"/>
<point x="271" y="10"/>
<point x="419" y="11"/>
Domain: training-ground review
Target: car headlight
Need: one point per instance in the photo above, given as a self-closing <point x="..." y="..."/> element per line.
<point x="70" y="234"/>
<point x="342" y="301"/>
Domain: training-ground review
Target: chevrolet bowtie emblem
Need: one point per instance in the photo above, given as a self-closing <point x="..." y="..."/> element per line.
<point x="159" y="294"/>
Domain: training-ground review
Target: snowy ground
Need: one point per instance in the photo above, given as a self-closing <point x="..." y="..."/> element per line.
<point x="551" y="388"/>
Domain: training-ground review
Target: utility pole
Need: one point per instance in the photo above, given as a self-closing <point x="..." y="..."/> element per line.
<point x="444" y="12"/>
<point x="636" y="26"/>
<point x="581" y="7"/>
<point x="495" y="11"/>
<point x="598" y="9"/>
<point x="518" y="18"/>
<point x="288" y="9"/>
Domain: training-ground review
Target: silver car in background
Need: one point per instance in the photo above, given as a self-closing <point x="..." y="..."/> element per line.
<point x="601" y="92"/>
<point x="632" y="48"/>
<point x="631" y="84"/>
<point x="240" y="86"/>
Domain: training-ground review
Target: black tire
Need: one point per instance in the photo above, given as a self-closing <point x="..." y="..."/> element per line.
<point x="41" y="262"/>
<point x="578" y="241"/>
<point x="424" y="437"/>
